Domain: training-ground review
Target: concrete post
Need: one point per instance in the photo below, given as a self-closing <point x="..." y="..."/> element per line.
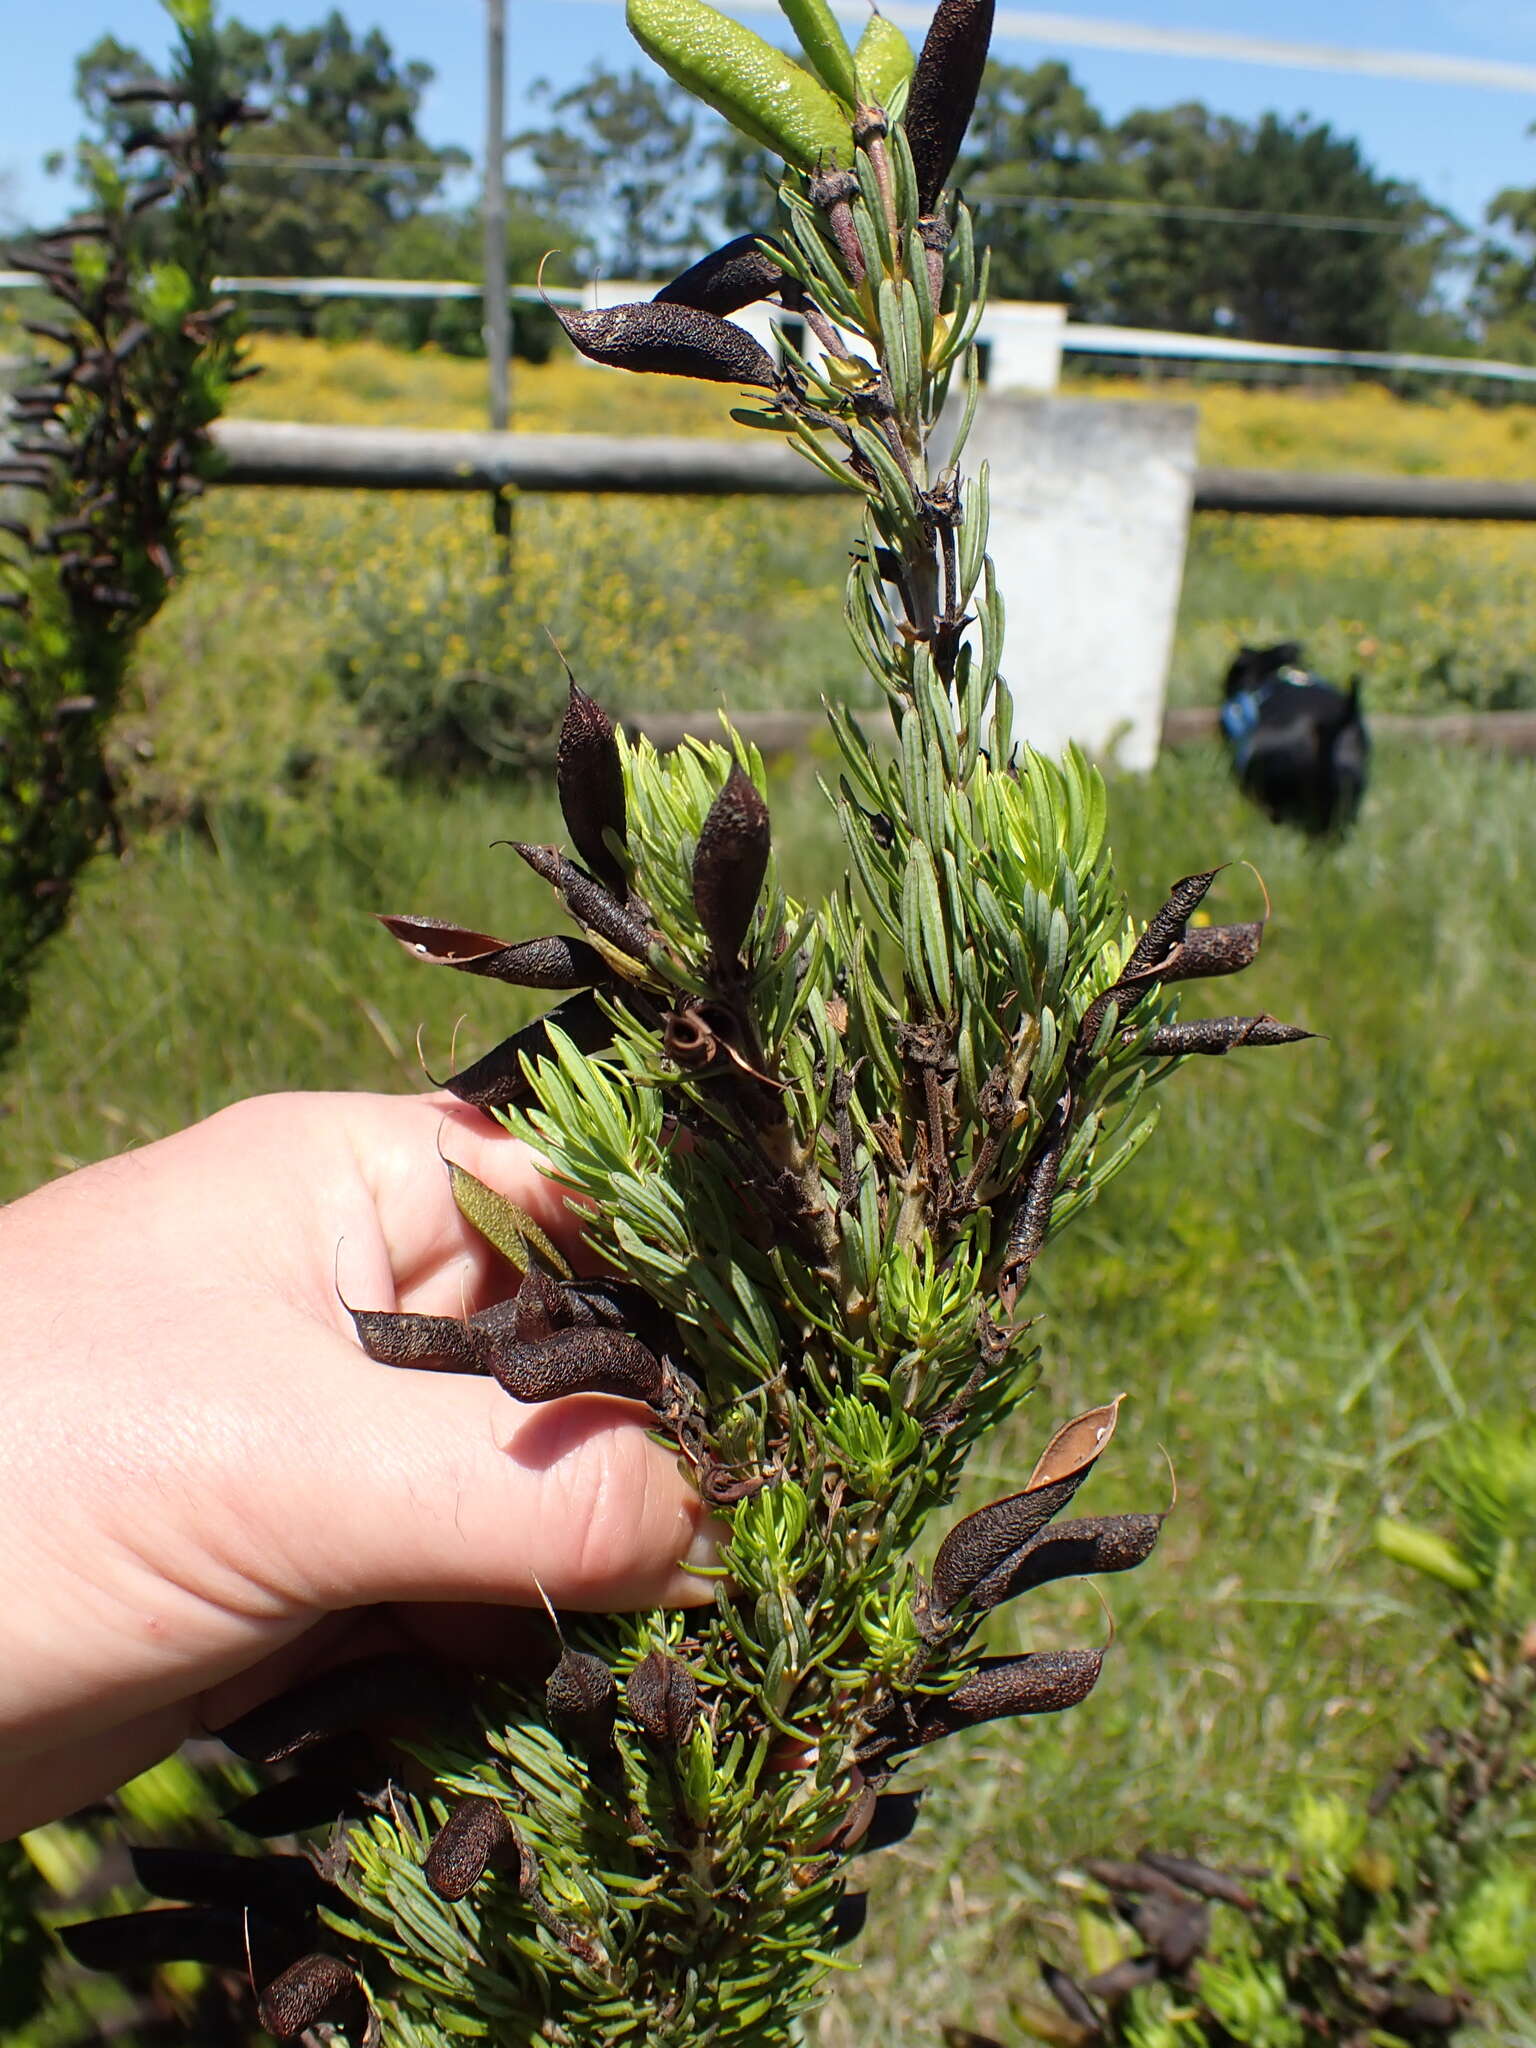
<point x="1090" y="515"/>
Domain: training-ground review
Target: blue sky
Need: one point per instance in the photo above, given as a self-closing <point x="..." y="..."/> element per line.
<point x="1459" y="142"/>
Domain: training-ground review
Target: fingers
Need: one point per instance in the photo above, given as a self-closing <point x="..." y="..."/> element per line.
<point x="437" y="1487"/>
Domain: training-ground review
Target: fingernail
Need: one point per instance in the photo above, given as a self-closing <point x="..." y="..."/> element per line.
<point x="704" y="1551"/>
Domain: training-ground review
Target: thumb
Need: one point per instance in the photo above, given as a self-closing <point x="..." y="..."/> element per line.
<point x="439" y="1487"/>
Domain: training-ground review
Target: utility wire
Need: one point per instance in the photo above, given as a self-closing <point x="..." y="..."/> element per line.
<point x="1243" y="216"/>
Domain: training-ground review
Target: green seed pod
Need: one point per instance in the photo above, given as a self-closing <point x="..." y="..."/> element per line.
<point x="315" y="1988"/>
<point x="825" y="46"/>
<point x="883" y="61"/>
<point x="1216" y="1035"/>
<point x="579" y="1361"/>
<point x="944" y="89"/>
<point x="588" y="901"/>
<point x="736" y="275"/>
<point x="729" y="865"/>
<point x="389" y="1687"/>
<point x="760" y="91"/>
<point x="668" y="340"/>
<point x="555" y="962"/>
<point x="475" y="1835"/>
<point x="589" y="779"/>
<point x="663" y="1698"/>
<point x="583" y="1701"/>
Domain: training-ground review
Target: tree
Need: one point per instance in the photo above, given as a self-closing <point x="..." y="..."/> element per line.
<point x="327" y="93"/>
<point x="621" y="157"/>
<point x="1505" y="291"/>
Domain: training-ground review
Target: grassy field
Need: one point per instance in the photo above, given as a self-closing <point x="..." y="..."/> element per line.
<point x="319" y="629"/>
<point x="1318" y="1265"/>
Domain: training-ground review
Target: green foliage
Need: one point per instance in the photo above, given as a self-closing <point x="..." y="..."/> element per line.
<point x="109" y="442"/>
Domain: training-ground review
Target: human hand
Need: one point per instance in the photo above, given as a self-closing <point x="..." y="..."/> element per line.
<point x="207" y="1490"/>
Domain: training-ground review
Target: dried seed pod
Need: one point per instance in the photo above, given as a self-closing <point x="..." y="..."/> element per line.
<point x="393" y="1338"/>
<point x="662" y="1695"/>
<point x="1129" y="1877"/>
<point x="1213" y="949"/>
<point x="1215" y="1035"/>
<point x="285" y="1887"/>
<point x="555" y="962"/>
<point x="588" y="901"/>
<point x="985" y="1541"/>
<point x="1043" y="1682"/>
<point x="1175" y="1930"/>
<point x="894" y="1819"/>
<point x="1034" y="1215"/>
<point x="672" y="341"/>
<point x="1131" y="1973"/>
<point x="177" y="1934"/>
<point x="589" y="780"/>
<point x="1168" y="925"/>
<point x="583" y="1701"/>
<point x="1201" y="1879"/>
<point x="315" y="1988"/>
<point x="579" y="1361"/>
<point x="383" y="1688"/>
<point x="944" y="88"/>
<point x="337" y="1780"/>
<point x="1072" y="1999"/>
<point x="849" y="1917"/>
<point x="729" y="864"/>
<point x="475" y="1835"/>
<point x="1106" y="1543"/>
<point x="737" y="275"/>
<point x="497" y="1081"/>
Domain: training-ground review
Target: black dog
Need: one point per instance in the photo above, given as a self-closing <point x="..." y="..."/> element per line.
<point x="1299" y="746"/>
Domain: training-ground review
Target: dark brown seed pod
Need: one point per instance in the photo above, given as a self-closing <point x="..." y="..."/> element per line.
<point x="497" y="1081"/>
<point x="849" y="1918"/>
<point x="1168" y="924"/>
<point x="337" y="1780"/>
<point x="393" y="1338"/>
<point x="1072" y="1999"/>
<point x="582" y="1696"/>
<point x="1201" y="1879"/>
<point x="985" y="1541"/>
<point x="662" y="1695"/>
<point x="315" y="1988"/>
<point x="1129" y="1877"/>
<point x="1216" y="1035"/>
<point x="737" y="275"/>
<point x="1131" y="1973"/>
<point x="589" y="780"/>
<point x="1175" y="1930"/>
<point x="1043" y="1682"/>
<point x="284" y="1887"/>
<point x="729" y="864"/>
<point x="944" y="88"/>
<point x="475" y="1835"/>
<point x="672" y="340"/>
<point x="554" y="962"/>
<point x="588" y="901"/>
<point x="1071" y="1550"/>
<point x="177" y="1934"/>
<point x="895" y="1817"/>
<point x="374" y="1689"/>
<point x="1213" y="949"/>
<point x="579" y="1361"/>
<point x="1039" y="1198"/>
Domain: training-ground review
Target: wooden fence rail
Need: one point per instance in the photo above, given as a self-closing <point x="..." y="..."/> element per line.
<point x="404" y="459"/>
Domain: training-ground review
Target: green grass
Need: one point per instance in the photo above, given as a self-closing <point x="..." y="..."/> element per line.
<point x="1320" y="1263"/>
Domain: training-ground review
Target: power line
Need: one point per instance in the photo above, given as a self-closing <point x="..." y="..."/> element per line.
<point x="1243" y="216"/>
<point x="1489" y="74"/>
<point x="401" y="166"/>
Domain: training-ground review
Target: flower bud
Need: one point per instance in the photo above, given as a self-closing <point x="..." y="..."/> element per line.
<point x="672" y="341"/>
<point x="589" y="779"/>
<point x="944" y="89"/>
<point x="662" y="1695"/>
<point x="729" y="865"/>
